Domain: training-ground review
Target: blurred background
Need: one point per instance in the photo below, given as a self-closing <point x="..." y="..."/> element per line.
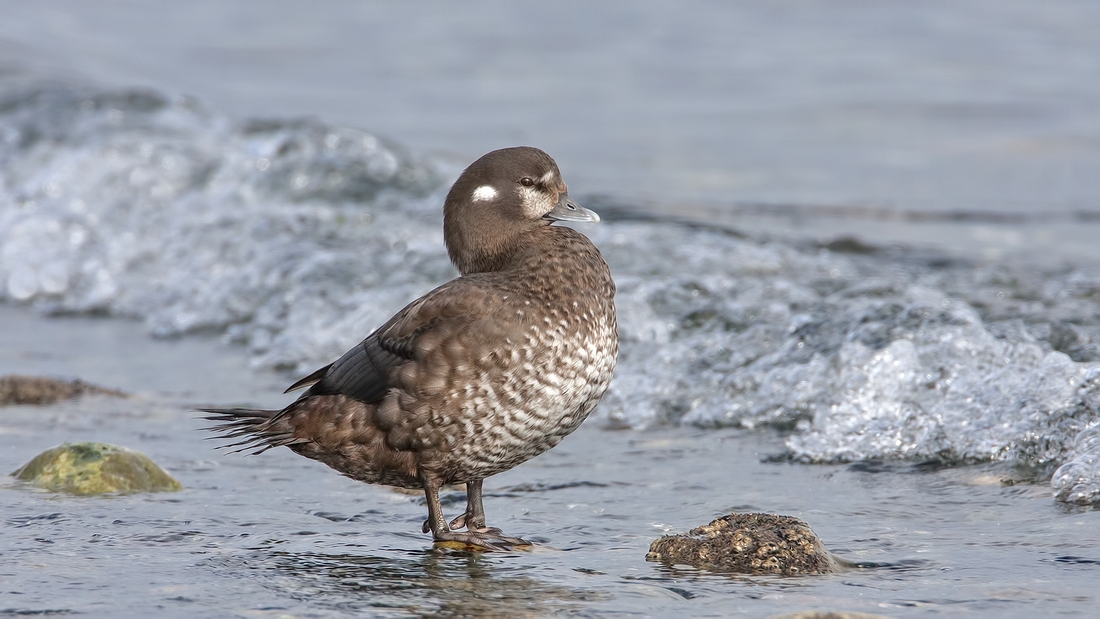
<point x="968" y="126"/>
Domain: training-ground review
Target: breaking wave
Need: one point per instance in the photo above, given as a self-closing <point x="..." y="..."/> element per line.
<point x="296" y="238"/>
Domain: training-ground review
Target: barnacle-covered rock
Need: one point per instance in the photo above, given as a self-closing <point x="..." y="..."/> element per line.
<point x="748" y="544"/>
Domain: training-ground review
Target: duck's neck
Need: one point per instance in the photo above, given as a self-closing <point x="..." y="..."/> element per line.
<point x="487" y="248"/>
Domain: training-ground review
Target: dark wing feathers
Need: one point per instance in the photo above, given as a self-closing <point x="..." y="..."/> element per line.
<point x="309" y="380"/>
<point x="361" y="373"/>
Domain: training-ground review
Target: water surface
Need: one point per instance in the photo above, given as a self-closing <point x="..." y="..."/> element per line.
<point x="280" y="535"/>
<point x="854" y="113"/>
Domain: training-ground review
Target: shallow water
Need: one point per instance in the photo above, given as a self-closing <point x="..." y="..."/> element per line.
<point x="280" y="535"/>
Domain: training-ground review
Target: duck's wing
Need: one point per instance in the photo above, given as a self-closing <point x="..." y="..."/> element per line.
<point x="309" y="380"/>
<point x="364" y="372"/>
<point x="361" y="373"/>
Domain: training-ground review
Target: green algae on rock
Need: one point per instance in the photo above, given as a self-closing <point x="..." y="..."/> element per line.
<point x="748" y="544"/>
<point x="95" y="468"/>
<point x="16" y="389"/>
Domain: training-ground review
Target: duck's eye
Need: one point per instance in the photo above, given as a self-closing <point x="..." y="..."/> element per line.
<point x="526" y="181"/>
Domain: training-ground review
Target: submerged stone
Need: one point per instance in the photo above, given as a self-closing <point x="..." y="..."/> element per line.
<point x="16" y="389"/>
<point x="748" y="544"/>
<point x="95" y="468"/>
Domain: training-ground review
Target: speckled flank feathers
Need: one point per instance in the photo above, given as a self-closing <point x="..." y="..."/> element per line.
<point x="479" y="375"/>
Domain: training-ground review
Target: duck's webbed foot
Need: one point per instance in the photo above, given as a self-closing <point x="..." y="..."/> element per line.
<point x="477" y="535"/>
<point x="487" y="537"/>
<point x="464" y="521"/>
<point x="479" y="539"/>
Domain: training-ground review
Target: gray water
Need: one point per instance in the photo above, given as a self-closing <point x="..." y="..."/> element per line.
<point x="852" y="116"/>
<point x="280" y="535"/>
<point x="857" y="276"/>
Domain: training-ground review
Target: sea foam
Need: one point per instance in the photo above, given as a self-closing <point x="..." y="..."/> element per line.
<point x="297" y="238"/>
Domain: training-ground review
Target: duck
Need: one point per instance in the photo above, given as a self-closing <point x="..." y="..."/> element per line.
<point x="478" y="375"/>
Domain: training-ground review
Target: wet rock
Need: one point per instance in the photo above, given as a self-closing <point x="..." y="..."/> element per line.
<point x="748" y="544"/>
<point x="38" y="390"/>
<point x="826" y="614"/>
<point x="95" y="468"/>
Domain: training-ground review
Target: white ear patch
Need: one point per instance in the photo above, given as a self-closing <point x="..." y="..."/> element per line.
<point x="485" y="193"/>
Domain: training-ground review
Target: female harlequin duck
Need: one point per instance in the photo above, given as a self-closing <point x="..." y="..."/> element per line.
<point x="479" y="375"/>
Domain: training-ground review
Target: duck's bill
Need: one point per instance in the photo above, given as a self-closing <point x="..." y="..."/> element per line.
<point x="568" y="210"/>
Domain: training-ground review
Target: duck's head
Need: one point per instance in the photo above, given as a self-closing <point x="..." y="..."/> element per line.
<point x="498" y="201"/>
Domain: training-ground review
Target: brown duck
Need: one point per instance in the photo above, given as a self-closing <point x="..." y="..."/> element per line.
<point x="479" y="375"/>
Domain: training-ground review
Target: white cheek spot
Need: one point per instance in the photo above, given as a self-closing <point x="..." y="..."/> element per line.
<point x="485" y="193"/>
<point x="546" y="178"/>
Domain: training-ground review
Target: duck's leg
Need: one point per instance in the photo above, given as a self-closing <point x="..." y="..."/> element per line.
<point x="480" y="537"/>
<point x="474" y="517"/>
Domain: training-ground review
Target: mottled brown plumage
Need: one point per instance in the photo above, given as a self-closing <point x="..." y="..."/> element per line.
<point x="479" y="375"/>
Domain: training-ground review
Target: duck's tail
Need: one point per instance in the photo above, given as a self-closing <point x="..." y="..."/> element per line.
<point x="259" y="430"/>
